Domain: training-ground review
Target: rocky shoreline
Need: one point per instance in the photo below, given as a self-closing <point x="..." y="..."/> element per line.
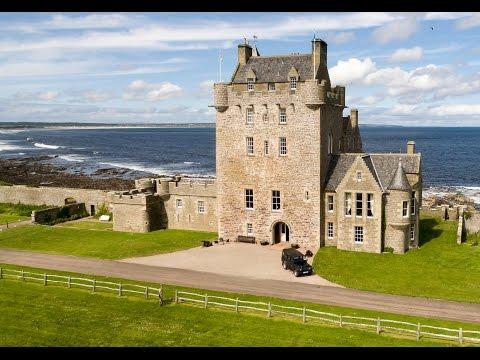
<point x="32" y="171"/>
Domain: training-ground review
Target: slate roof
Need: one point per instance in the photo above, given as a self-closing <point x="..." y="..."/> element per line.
<point x="275" y="68"/>
<point x="382" y="166"/>
<point x="399" y="180"/>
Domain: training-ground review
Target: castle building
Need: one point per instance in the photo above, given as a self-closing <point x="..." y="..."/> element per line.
<point x="289" y="168"/>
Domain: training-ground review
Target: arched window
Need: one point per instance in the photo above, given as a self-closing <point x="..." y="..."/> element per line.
<point x="330" y="143"/>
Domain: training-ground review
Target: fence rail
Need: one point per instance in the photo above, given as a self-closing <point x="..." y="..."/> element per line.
<point x="95" y="285"/>
<point x="380" y="325"/>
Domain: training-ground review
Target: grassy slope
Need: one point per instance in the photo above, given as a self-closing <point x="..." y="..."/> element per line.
<point x="100" y="244"/>
<point x="55" y="316"/>
<point x="438" y="269"/>
<point x="87" y="225"/>
<point x="14" y="212"/>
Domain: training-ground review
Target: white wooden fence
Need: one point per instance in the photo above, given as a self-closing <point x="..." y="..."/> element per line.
<point x="93" y="284"/>
<point x="378" y="324"/>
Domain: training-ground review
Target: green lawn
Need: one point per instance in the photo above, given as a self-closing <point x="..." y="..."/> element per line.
<point x="56" y="316"/>
<point x="15" y="212"/>
<point x="438" y="269"/>
<point x="88" y="225"/>
<point x="99" y="243"/>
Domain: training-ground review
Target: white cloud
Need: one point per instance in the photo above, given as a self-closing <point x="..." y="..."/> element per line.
<point x="351" y="70"/>
<point x="97" y="95"/>
<point x="401" y="55"/>
<point x="48" y="95"/>
<point x="455" y="109"/>
<point x="400" y="29"/>
<point x="141" y="90"/>
<point x="35" y="96"/>
<point x="91" y="21"/>
<point x="403" y="109"/>
<point x="469" y="22"/>
<point x="341" y="37"/>
<point x="445" y="15"/>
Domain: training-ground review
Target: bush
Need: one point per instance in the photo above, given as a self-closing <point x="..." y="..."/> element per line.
<point x="388" y="249"/>
<point x="467" y="215"/>
<point x="103" y="210"/>
<point x="4" y="183"/>
<point x="20" y="209"/>
<point x="474" y="243"/>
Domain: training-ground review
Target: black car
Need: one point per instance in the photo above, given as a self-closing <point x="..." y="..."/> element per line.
<point x="294" y="260"/>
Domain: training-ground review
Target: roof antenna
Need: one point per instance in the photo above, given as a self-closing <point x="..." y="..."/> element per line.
<point x="255" y="40"/>
<point x="314" y="67"/>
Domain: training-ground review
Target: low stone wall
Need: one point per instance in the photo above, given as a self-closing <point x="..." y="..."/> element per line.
<point x="452" y="212"/>
<point x="461" y="231"/>
<point x="54" y="196"/>
<point x="46" y="216"/>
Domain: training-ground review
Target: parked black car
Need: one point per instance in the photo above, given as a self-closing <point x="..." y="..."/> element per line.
<point x="294" y="260"/>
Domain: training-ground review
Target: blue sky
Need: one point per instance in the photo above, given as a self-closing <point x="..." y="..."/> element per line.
<point x="160" y="67"/>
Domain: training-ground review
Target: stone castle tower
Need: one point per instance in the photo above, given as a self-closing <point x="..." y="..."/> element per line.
<point x="278" y="123"/>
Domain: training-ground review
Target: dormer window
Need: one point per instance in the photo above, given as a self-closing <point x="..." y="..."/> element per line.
<point x="293" y="83"/>
<point x="271" y="86"/>
<point x="250" y="82"/>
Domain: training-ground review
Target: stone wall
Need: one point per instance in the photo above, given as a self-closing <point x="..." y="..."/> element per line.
<point x="54" y="196"/>
<point x="46" y="216"/>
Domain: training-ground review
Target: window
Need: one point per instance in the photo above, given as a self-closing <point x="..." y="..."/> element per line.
<point x="412" y="204"/>
<point x="249" y="229"/>
<point x="283" y="146"/>
<point x="358" y="234"/>
<point x="179" y="203"/>
<point x="369" y="205"/>
<point x="330" y="144"/>
<point x="359" y="205"/>
<point x="250" y="84"/>
<point x="405" y="209"/>
<point x="330" y="230"/>
<point x="271" y="86"/>
<point x="249" y="115"/>
<point x="265" y="117"/>
<point x="276" y="200"/>
<point x="293" y="83"/>
<point x="348" y="204"/>
<point x="265" y="147"/>
<point x="330" y="203"/>
<point x="250" y="145"/>
<point x="283" y="116"/>
<point x="201" y="206"/>
<point x="412" y="232"/>
<point x="249" y="198"/>
<point x="307" y="196"/>
<point x="359" y="176"/>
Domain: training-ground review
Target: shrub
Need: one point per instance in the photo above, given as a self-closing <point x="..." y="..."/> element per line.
<point x="474" y="243"/>
<point x="4" y="183"/>
<point x="388" y="249"/>
<point x="467" y="215"/>
<point x="103" y="210"/>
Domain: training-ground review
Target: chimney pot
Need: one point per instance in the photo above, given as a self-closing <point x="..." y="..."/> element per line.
<point x="411" y="147"/>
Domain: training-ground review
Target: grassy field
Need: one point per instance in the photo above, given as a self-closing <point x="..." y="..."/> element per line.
<point x="88" y="225"/>
<point x="438" y="269"/>
<point x="53" y="315"/>
<point x="15" y="212"/>
<point x="72" y="239"/>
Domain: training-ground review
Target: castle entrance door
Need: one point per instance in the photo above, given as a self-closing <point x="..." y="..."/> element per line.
<point x="281" y="233"/>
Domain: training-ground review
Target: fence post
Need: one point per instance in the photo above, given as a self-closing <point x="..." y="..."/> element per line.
<point x="460" y="336"/>
<point x="206" y="300"/>
<point x="1" y="273"/>
<point x="69" y="282"/>
<point x="341" y="321"/>
<point x="146" y="292"/>
<point x="176" y="296"/>
<point x="269" y="309"/>
<point x="119" y="289"/>
<point x="418" y="331"/>
<point x="23" y="276"/>
<point x="44" y="279"/>
<point x="160" y="294"/>
<point x="378" y="326"/>
<point x="236" y="305"/>
<point x="93" y="285"/>
<point x="304" y="314"/>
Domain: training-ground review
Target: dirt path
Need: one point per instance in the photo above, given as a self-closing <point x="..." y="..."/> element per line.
<point x="289" y="290"/>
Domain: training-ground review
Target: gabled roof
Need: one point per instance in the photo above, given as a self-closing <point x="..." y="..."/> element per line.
<point x="337" y="168"/>
<point x="275" y="68"/>
<point x="399" y="180"/>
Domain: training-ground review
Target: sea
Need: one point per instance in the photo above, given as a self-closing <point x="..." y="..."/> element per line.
<point x="450" y="156"/>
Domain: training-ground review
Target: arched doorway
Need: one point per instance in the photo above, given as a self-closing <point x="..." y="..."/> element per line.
<point x="280" y="232"/>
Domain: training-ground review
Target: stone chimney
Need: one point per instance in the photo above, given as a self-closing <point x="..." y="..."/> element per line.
<point x="411" y="147"/>
<point x="319" y="60"/>
<point x="354" y="118"/>
<point x="244" y="53"/>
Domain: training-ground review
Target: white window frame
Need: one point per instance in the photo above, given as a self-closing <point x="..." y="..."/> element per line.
<point x="266" y="147"/>
<point x="358" y="235"/>
<point x="348" y="204"/>
<point x="265" y="117"/>
<point x="413" y="204"/>
<point x="250" y="82"/>
<point x="282" y="146"/>
<point x="330" y="203"/>
<point x="201" y="206"/>
<point x="405" y="207"/>
<point x="293" y="83"/>
<point x="271" y="86"/>
<point x="283" y="116"/>
<point x="359" y="176"/>
<point x="357" y="202"/>
<point x="330" y="230"/>
<point x="276" y="201"/>
<point x="179" y="203"/>
<point x="249" y="143"/>
<point x="249" y="229"/>
<point x="249" y="115"/>
<point x="370" y="204"/>
<point x="412" y="232"/>
<point x="249" y="199"/>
